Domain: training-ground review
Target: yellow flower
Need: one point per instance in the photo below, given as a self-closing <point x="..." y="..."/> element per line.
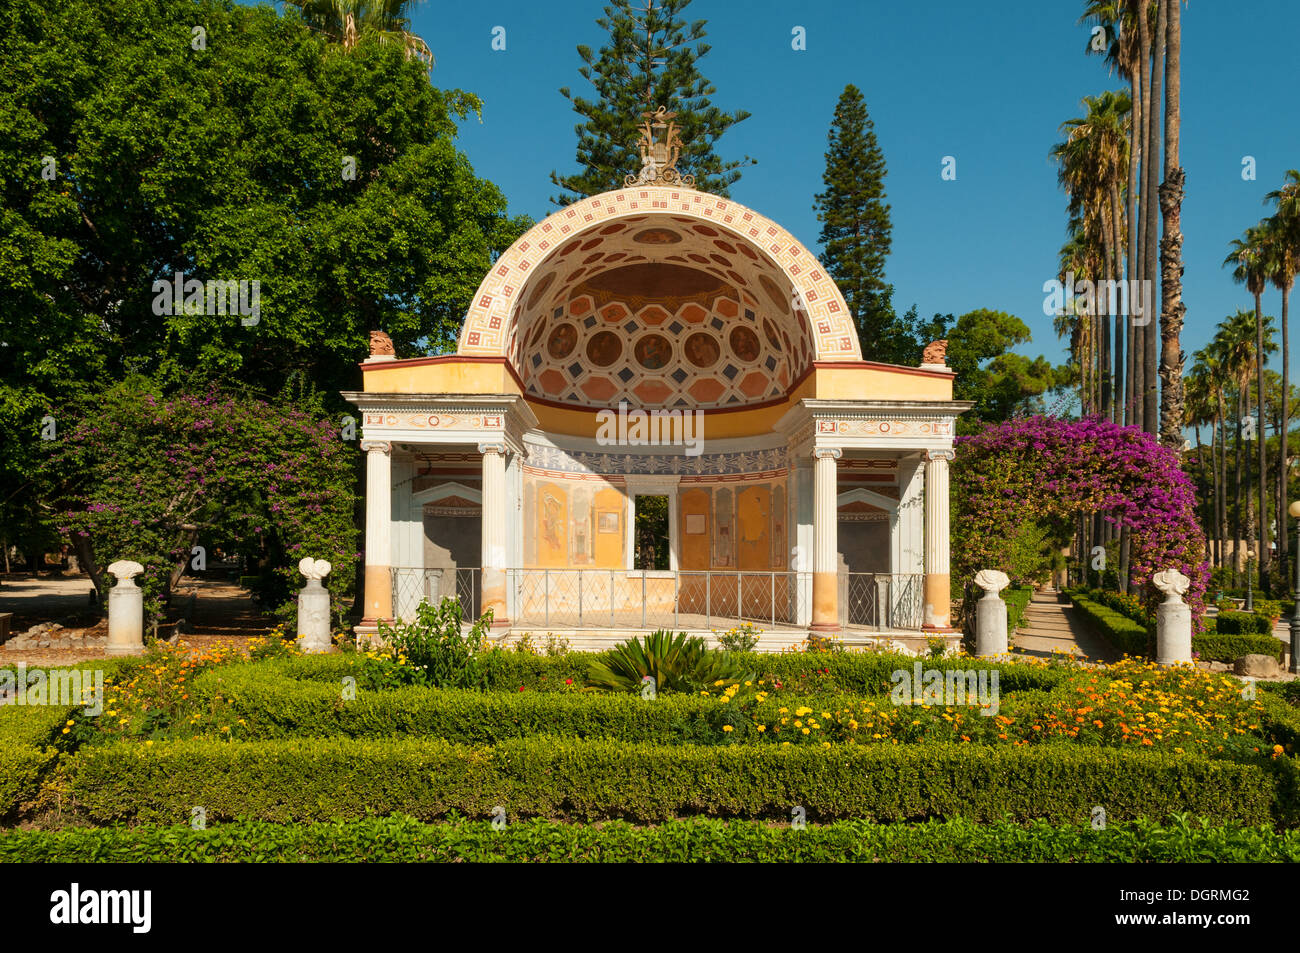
<point x="805" y="731"/>
<point x="762" y="727"/>
<point x="726" y="728"/>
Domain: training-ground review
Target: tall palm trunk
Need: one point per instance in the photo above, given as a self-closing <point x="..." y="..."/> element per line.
<point x="1263" y="466"/>
<point x="1283" y="472"/>
<point x="1142" y="132"/>
<point x="1236" y="512"/>
<point x="1150" y="204"/>
<point x="1117" y="238"/>
<point x="1134" y="154"/>
<point x="1223" y="480"/>
<point x="1172" y="308"/>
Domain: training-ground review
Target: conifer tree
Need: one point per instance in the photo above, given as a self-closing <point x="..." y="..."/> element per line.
<point x="855" y="236"/>
<point x="651" y="60"/>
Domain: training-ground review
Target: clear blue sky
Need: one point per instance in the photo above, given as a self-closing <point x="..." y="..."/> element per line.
<point x="989" y="85"/>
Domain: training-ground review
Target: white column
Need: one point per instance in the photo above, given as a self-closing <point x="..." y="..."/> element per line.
<point x="494" y="549"/>
<point x="938" y="594"/>
<point x="825" y="541"/>
<point x="379" y="531"/>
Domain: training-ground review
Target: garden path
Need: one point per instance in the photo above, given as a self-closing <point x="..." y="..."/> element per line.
<point x="1052" y="624"/>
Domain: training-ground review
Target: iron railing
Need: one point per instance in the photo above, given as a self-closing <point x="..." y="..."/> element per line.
<point x="662" y="599"/>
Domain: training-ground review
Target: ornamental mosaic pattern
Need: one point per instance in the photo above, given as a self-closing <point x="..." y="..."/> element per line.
<point x="580" y="461"/>
<point x="886" y="428"/>
<point x="491" y="324"/>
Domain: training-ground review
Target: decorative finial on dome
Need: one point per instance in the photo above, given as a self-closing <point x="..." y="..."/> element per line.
<point x="660" y="145"/>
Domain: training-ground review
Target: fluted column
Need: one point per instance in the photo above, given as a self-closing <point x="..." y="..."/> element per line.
<point x="938" y="591"/>
<point x="379" y="531"/>
<point x="494" y="532"/>
<point x="826" y="617"/>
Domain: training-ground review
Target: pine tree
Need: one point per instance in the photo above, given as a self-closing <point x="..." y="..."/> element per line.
<point x="855" y="235"/>
<point x="651" y="60"/>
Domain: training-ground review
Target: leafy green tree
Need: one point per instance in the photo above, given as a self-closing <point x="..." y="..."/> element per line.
<point x="1002" y="384"/>
<point x="651" y="60"/>
<point x="139" y="475"/>
<point x="331" y="178"/>
<point x="855" y="236"/>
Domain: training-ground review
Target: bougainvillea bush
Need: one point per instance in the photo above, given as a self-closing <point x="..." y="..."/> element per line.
<point x="141" y="476"/>
<point x="1048" y="471"/>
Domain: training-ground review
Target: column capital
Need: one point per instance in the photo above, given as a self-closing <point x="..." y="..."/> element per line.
<point x="932" y="456"/>
<point x="823" y="453"/>
<point x="377" y="446"/>
<point x="493" y="446"/>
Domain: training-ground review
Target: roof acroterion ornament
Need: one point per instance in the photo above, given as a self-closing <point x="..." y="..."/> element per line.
<point x="660" y="145"/>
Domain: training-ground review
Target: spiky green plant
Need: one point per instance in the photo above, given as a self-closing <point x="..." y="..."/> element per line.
<point x="678" y="663"/>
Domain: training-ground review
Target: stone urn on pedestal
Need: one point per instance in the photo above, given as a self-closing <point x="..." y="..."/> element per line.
<point x="991" y="614"/>
<point x="1173" y="618"/>
<point x="314" y="608"/>
<point x="125" y="610"/>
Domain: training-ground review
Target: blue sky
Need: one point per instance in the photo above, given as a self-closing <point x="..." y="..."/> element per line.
<point x="940" y="78"/>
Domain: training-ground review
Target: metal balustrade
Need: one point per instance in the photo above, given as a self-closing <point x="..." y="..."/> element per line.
<point x="667" y="599"/>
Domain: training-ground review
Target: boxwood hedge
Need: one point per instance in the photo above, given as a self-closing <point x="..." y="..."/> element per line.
<point x="699" y="840"/>
<point x="548" y="777"/>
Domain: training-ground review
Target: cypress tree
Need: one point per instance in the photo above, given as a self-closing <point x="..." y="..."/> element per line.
<point x="651" y="60"/>
<point x="855" y="236"/>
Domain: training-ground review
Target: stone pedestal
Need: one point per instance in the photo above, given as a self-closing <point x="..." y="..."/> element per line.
<point x="991" y="614"/>
<point x="1173" y="619"/>
<point x="125" y="610"/>
<point x="314" y="608"/>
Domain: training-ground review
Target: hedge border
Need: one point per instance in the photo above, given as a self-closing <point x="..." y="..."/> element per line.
<point x="697" y="840"/>
<point x="318" y="779"/>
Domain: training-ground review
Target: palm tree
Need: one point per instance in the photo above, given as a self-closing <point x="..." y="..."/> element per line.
<point x="1250" y="260"/>
<point x="1200" y="409"/>
<point x="1172" y="308"/>
<point x="1155" y="44"/>
<point x="1284" y="228"/>
<point x="1079" y="257"/>
<point x="1092" y="162"/>
<point x="347" y="21"/>
<point x="1123" y="57"/>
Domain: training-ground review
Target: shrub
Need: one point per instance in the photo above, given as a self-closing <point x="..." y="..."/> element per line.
<point x="403" y="839"/>
<point x="437" y="652"/>
<point x="1220" y="647"/>
<point x="316" y="779"/>
<point x="740" y="638"/>
<point x="680" y="664"/>
<point x="1017" y="600"/>
<point x="1243" y="623"/>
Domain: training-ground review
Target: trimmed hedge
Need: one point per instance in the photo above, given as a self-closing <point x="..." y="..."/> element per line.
<point x="1127" y="636"/>
<point x="26" y="734"/>
<point x="316" y="779"/>
<point x="1243" y="623"/>
<point x="1218" y="647"/>
<point x="697" y="840"/>
<point x="270" y="705"/>
<point x="857" y="673"/>
<point x="1132" y="638"/>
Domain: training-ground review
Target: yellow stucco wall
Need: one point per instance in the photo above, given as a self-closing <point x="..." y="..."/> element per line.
<point x="833" y="382"/>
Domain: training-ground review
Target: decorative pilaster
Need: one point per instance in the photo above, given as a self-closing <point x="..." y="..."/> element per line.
<point x="938" y="592"/>
<point x="826" y="616"/>
<point x="494" y="532"/>
<point x="379" y="531"/>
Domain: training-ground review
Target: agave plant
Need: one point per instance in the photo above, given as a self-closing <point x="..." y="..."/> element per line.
<point x="678" y="663"/>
